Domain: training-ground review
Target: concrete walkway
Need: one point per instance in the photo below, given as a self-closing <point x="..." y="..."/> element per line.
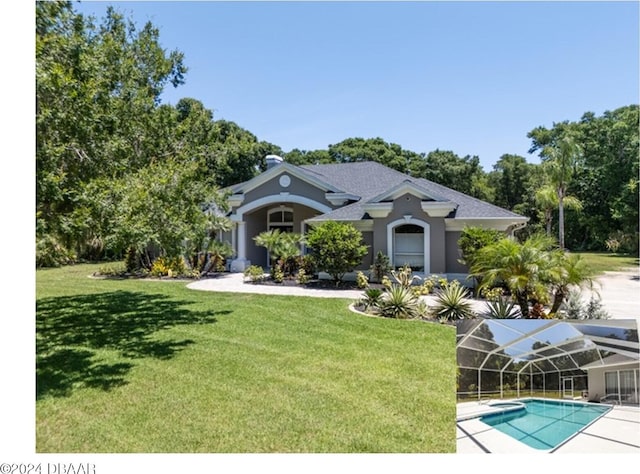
<point x="234" y="283"/>
<point x="619" y="291"/>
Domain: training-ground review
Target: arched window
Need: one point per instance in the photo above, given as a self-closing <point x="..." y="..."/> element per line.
<point x="409" y="247"/>
<point x="280" y="218"/>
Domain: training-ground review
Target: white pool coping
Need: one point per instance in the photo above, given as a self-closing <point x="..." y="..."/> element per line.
<point x="618" y="431"/>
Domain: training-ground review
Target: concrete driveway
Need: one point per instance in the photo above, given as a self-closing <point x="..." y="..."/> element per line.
<point x="620" y="294"/>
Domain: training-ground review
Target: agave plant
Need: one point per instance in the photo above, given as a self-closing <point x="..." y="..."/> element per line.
<point x="502" y="308"/>
<point x="405" y="277"/>
<point x="452" y="303"/>
<point x="399" y="303"/>
<point x="372" y="299"/>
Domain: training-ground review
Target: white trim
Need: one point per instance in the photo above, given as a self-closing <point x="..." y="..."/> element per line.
<point x="406" y="187"/>
<point x="438" y="208"/>
<point x="338" y="199"/>
<point x="426" y="240"/>
<point x="239" y="213"/>
<point x="378" y="210"/>
<point x="502" y="224"/>
<point x="281" y="169"/>
<point x="235" y="200"/>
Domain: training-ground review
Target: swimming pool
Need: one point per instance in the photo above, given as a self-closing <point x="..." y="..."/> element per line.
<point x="545" y="424"/>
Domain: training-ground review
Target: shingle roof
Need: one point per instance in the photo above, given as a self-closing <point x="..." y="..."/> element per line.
<point x="369" y="179"/>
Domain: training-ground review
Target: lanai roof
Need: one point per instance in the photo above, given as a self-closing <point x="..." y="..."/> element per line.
<point x="545" y="345"/>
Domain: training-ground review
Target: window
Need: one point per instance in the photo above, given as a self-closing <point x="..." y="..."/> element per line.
<point x="280" y="218"/>
<point x="409" y="247"/>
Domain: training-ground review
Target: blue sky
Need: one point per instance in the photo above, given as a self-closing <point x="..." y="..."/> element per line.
<point x="471" y="77"/>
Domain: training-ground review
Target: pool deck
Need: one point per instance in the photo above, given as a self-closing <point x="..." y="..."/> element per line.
<point x="618" y="431"/>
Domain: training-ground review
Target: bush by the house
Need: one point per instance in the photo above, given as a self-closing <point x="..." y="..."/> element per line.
<point x="337" y="248"/>
<point x="254" y="273"/>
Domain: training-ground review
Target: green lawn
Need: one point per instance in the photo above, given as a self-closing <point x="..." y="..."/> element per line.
<point x="150" y="366"/>
<point x="604" y="262"/>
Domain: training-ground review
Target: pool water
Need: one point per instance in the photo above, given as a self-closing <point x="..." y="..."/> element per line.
<point x="544" y="424"/>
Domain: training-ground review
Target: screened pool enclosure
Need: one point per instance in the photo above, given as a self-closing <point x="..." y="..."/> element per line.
<point x="595" y="360"/>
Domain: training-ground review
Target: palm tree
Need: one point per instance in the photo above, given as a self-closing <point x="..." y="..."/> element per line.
<point x="282" y="246"/>
<point x="523" y="267"/>
<point x="559" y="164"/>
<point x="547" y="198"/>
<point x="570" y="270"/>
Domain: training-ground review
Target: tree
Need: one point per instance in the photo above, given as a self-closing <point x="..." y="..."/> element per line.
<point x="547" y="199"/>
<point x="237" y="154"/>
<point x="97" y="90"/>
<point x="161" y="206"/>
<point x="559" y="164"/>
<point x="303" y="157"/>
<point x="522" y="267"/>
<point x="283" y="247"/>
<point x="448" y="169"/>
<point x="510" y="179"/>
<point x="354" y="150"/>
<point x="337" y="248"/>
<point x="568" y="271"/>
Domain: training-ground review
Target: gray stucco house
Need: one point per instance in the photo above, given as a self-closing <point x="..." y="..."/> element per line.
<point x="412" y="220"/>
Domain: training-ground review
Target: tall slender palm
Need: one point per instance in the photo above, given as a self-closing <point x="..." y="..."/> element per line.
<point x="559" y="163"/>
<point x="547" y="198"/>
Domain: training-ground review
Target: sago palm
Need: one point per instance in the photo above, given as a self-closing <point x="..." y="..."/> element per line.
<point x="522" y="267"/>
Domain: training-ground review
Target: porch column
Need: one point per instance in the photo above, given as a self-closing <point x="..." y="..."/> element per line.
<point x="242" y="239"/>
<point x="240" y="263"/>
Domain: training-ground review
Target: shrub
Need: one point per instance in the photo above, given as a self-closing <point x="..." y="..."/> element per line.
<point x="372" y="299"/>
<point x="277" y="274"/>
<point x="575" y="308"/>
<point x="404" y="277"/>
<point x="362" y="281"/>
<point x="114" y="269"/>
<point x="302" y="278"/>
<point x="422" y="310"/>
<point x="51" y="253"/>
<point x="381" y="266"/>
<point x="537" y="312"/>
<point x="502" y="308"/>
<point x="452" y="303"/>
<point x="337" y="248"/>
<point x="399" y="303"/>
<point x="283" y="248"/>
<point x="386" y="282"/>
<point x="425" y="288"/>
<point x="305" y="262"/>
<point x="255" y="273"/>
<point x="168" y="266"/>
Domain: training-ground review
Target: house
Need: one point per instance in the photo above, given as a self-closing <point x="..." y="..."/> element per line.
<point x="412" y="220"/>
<point x="616" y="378"/>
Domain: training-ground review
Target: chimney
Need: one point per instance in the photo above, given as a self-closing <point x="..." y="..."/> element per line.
<point x="273" y="160"/>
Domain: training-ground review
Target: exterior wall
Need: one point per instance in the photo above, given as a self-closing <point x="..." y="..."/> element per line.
<point x="452" y="264"/>
<point x="409" y="204"/>
<point x="367" y="261"/>
<point x="257" y="223"/>
<point x="596" y="381"/>
<point x="297" y="187"/>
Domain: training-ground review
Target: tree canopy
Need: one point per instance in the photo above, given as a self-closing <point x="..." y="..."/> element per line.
<point x="102" y="128"/>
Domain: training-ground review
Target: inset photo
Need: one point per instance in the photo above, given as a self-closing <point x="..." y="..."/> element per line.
<point x="548" y="386"/>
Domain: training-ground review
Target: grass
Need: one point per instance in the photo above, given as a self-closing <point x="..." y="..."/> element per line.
<point x="151" y="366"/>
<point x="607" y="262"/>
